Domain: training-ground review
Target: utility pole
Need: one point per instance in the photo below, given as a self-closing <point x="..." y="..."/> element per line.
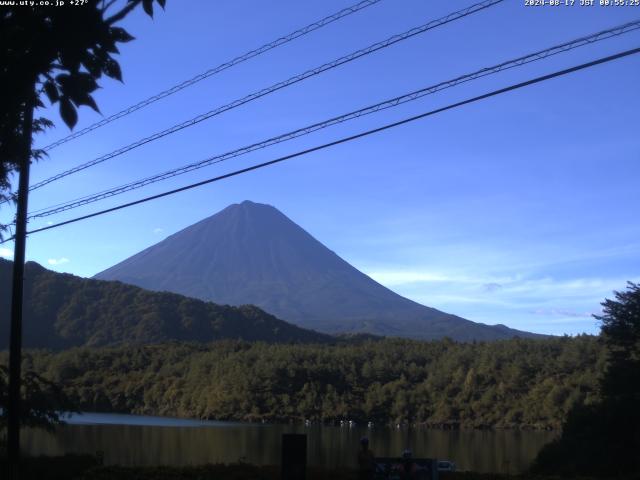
<point x="15" y="346"/>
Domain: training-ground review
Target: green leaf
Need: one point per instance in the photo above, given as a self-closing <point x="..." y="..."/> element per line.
<point x="77" y="88"/>
<point x="87" y="100"/>
<point x="120" y="35"/>
<point x="63" y="79"/>
<point x="68" y="112"/>
<point x="70" y="60"/>
<point x="52" y="91"/>
<point x="111" y="68"/>
<point x="92" y="64"/>
<point x="38" y="154"/>
<point x="147" y="5"/>
<point x="85" y="81"/>
<point x="110" y="47"/>
<point x="41" y="124"/>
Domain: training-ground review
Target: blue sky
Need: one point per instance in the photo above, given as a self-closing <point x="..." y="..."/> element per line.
<point x="521" y="209"/>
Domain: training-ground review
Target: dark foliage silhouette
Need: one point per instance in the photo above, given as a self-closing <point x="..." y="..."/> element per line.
<point x="604" y="438"/>
<point x="58" y="54"/>
<point x="42" y="404"/>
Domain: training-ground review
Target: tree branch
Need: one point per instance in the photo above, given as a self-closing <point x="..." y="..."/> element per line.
<point x="123" y="13"/>
<point x="108" y="5"/>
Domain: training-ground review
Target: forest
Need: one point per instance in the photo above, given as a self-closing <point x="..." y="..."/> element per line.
<point x="63" y="311"/>
<point x="517" y="383"/>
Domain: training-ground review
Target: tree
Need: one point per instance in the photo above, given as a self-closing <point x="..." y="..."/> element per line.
<point x="604" y="438"/>
<point x="60" y="52"/>
<point x="43" y="401"/>
<point x="621" y="333"/>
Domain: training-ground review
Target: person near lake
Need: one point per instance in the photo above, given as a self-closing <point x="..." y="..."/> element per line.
<point x="366" y="461"/>
<point x="408" y="465"/>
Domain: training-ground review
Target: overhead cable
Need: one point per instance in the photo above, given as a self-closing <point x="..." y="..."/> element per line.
<point x="275" y="87"/>
<point x="493" y="93"/>
<point x="393" y="102"/>
<point x="215" y="70"/>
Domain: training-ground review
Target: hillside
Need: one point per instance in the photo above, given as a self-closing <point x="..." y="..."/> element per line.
<point x="63" y="311"/>
<point x="510" y="383"/>
<point x="251" y="253"/>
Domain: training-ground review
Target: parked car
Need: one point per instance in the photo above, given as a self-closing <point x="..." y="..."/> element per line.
<point x="446" y="466"/>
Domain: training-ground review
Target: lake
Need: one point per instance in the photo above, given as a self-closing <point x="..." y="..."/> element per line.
<point x="142" y="440"/>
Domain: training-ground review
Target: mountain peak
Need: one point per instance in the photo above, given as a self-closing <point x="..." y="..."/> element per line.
<point x="246" y="210"/>
<point x="251" y="253"/>
<point x="249" y="205"/>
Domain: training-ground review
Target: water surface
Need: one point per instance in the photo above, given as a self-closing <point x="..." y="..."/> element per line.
<point x="142" y="440"/>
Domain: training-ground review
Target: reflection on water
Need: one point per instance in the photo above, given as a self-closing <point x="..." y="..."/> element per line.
<point x="158" y="441"/>
<point x="88" y="418"/>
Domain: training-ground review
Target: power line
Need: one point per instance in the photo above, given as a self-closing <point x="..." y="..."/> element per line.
<point x="213" y="71"/>
<point x="277" y="86"/>
<point x="346" y="139"/>
<point x="539" y="55"/>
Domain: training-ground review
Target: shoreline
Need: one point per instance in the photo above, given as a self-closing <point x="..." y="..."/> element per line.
<point x="136" y="419"/>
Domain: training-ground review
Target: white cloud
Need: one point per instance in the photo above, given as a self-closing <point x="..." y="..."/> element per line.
<point x="517" y="284"/>
<point x="6" y="253"/>
<point x="538" y="287"/>
<point x="508" y="297"/>
<point x="563" y="312"/>
<point x="58" y="261"/>
<point x="401" y="277"/>
<point x="158" y="230"/>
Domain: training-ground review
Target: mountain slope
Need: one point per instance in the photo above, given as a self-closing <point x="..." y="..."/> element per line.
<point x="63" y="311"/>
<point x="252" y="253"/>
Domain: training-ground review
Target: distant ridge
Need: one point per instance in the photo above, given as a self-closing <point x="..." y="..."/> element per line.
<point x="251" y="253"/>
<point x="63" y="311"/>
